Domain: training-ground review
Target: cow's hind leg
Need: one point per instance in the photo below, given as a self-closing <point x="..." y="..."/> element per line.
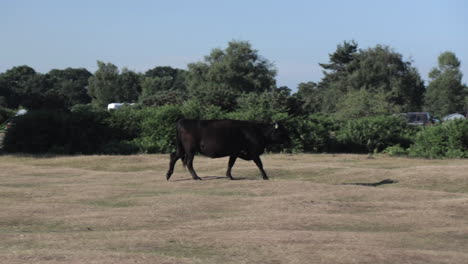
<point x="174" y="157"/>
<point x="259" y="164"/>
<point x="232" y="160"/>
<point x="189" y="160"/>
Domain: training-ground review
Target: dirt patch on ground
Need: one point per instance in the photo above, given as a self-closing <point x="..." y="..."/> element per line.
<point x="120" y="209"/>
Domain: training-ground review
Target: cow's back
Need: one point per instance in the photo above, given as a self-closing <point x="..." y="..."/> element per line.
<point x="219" y="138"/>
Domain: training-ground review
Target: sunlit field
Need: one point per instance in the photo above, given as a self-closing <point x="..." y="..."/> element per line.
<point x="121" y="209"/>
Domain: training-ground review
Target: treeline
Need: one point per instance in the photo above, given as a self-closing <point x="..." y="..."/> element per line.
<point x="356" y="83"/>
<point x="360" y="87"/>
<point x="91" y="130"/>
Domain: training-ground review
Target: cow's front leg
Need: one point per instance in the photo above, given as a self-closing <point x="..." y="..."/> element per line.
<point x="259" y="164"/>
<point x="174" y="157"/>
<point x="190" y="167"/>
<point x="232" y="160"/>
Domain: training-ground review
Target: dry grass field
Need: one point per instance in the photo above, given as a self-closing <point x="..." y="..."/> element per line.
<point x="120" y="209"/>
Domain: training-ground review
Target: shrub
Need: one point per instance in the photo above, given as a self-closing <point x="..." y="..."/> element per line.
<point x="396" y="150"/>
<point x="260" y="107"/>
<point x="119" y="148"/>
<point x="35" y="132"/>
<point x="193" y="109"/>
<point x="373" y="134"/>
<point x="164" y="97"/>
<point x="5" y="114"/>
<point x="125" y="122"/>
<point x="158" y="129"/>
<point x="312" y="133"/>
<point x="447" y="140"/>
<point x="57" y="132"/>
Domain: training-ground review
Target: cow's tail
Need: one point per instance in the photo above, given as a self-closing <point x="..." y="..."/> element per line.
<point x="180" y="148"/>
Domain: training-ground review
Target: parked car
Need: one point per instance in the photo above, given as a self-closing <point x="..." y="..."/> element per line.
<point x="9" y="122"/>
<point x="420" y="118"/>
<point x="453" y="117"/>
<point x="116" y="106"/>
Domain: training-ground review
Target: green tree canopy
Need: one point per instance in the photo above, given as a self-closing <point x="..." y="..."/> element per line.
<point x="276" y="104"/>
<point x="23" y="86"/>
<point x="226" y="74"/>
<point x="71" y="84"/>
<point x="376" y="70"/>
<point x="129" y="86"/>
<point x="309" y="97"/>
<point x="16" y="83"/>
<point x="160" y="84"/>
<point x="109" y="85"/>
<point x="445" y="93"/>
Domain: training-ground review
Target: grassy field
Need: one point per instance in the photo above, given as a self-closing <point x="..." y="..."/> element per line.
<point x="120" y="209"/>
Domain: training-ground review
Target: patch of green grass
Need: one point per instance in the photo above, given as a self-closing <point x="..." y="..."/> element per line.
<point x="192" y="191"/>
<point x="10" y="194"/>
<point x="32" y="225"/>
<point x="360" y="227"/>
<point x="306" y="174"/>
<point x="55" y="175"/>
<point x="186" y="250"/>
<point x="93" y="163"/>
<point x="111" y="203"/>
<point x="150" y="193"/>
<point x="174" y="248"/>
<point x="448" y="186"/>
<point x="20" y="185"/>
<point x="218" y="192"/>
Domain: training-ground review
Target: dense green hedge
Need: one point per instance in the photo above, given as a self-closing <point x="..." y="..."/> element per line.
<point x="5" y="114"/>
<point x="313" y="133"/>
<point x="57" y="132"/>
<point x="374" y="134"/>
<point x="88" y="130"/>
<point x="447" y="140"/>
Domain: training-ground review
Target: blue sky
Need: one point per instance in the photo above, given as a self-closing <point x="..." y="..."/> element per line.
<point x="294" y="35"/>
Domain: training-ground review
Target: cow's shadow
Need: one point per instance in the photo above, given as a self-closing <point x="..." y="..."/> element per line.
<point x="211" y="178"/>
<point x="373" y="184"/>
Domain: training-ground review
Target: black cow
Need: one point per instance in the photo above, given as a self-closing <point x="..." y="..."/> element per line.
<point x="221" y="138"/>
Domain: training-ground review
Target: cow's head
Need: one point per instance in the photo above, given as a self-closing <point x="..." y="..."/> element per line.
<point x="279" y="134"/>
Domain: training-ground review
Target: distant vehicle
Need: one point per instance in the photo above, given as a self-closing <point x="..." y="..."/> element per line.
<point x="453" y="117"/>
<point x="116" y="106"/>
<point x="420" y="118"/>
<point x="10" y="122"/>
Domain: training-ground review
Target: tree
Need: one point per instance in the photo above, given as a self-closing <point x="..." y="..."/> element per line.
<point x="129" y="88"/>
<point x="23" y="86"/>
<point x="19" y="83"/>
<point x="267" y="106"/>
<point x="226" y="74"/>
<point x="160" y="83"/>
<point x="344" y="54"/>
<point x="378" y="70"/>
<point x="309" y="97"/>
<point x="175" y="77"/>
<point x="109" y="85"/>
<point x="382" y="69"/>
<point x="364" y="103"/>
<point x="71" y="84"/>
<point x="5" y="93"/>
<point x="445" y="93"/>
<point x="104" y="84"/>
<point x="165" y="97"/>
